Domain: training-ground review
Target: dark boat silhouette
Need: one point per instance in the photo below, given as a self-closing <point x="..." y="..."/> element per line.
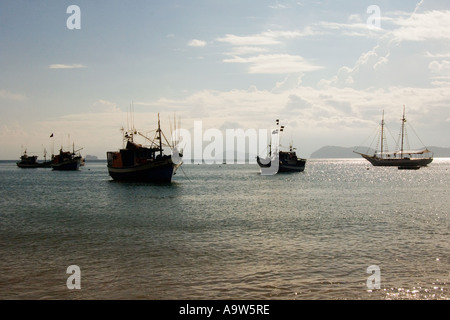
<point x="27" y="161"/>
<point x="66" y="160"/>
<point x="136" y="162"/>
<point x="278" y="161"/>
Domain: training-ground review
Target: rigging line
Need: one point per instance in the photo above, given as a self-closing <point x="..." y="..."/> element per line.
<point x="168" y="143"/>
<point x="374" y="131"/>
<point x="390" y="132"/>
<point x="398" y="141"/>
<point x="416" y="134"/>
<point x="181" y="167"/>
<point x="376" y="136"/>
<point x="171" y="129"/>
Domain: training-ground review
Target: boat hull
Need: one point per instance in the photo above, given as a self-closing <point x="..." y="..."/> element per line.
<point x="47" y="164"/>
<point x="299" y="167"/>
<point x="403" y="163"/>
<point x="68" y="165"/>
<point x="283" y="167"/>
<point x="157" y="171"/>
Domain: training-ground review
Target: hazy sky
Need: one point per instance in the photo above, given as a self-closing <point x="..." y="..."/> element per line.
<point x="326" y="69"/>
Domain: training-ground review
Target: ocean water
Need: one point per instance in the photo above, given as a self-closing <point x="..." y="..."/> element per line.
<point x="225" y="232"/>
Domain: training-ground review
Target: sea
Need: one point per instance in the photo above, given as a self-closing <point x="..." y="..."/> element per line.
<point x="341" y="230"/>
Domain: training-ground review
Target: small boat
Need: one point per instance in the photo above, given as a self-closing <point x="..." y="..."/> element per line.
<point x="402" y="158"/>
<point x="138" y="163"/>
<point x="66" y="160"/>
<point x="27" y="161"/>
<point x="279" y="161"/>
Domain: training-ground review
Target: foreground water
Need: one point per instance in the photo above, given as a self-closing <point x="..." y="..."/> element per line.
<point x="225" y="232"/>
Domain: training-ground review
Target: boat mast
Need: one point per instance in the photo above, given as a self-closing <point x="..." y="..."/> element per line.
<point x="159" y="136"/>
<point x="382" y="135"/>
<point x="403" y="131"/>
<point x="270" y="145"/>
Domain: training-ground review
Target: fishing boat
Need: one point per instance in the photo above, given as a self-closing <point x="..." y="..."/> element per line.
<point x="67" y="160"/>
<point x="138" y="163"/>
<point x="404" y="159"/>
<point x="27" y="161"/>
<point x="278" y="161"/>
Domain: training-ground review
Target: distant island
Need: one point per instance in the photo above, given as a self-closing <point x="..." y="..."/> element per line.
<point x="90" y="157"/>
<point x="334" y="152"/>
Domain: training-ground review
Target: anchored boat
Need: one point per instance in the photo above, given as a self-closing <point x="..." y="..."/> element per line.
<point x="402" y="158"/>
<point x="27" y="161"/>
<point x="66" y="160"/>
<point x="136" y="162"/>
<point x="280" y="161"/>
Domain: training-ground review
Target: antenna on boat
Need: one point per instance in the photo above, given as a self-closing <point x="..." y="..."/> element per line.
<point x="53" y="144"/>
<point x="382" y="134"/>
<point x="132" y="116"/>
<point x="403" y="131"/>
<point x="159" y="136"/>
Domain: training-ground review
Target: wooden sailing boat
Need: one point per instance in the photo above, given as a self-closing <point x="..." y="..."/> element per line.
<point x="135" y="162"/>
<point x="277" y="160"/>
<point x="403" y="159"/>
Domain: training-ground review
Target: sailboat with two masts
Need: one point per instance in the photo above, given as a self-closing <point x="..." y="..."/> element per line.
<point x="401" y="158"/>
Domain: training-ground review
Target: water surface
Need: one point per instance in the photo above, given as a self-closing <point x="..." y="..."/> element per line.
<point x="225" y="232"/>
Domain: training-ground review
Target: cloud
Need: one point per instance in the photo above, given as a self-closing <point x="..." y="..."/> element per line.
<point x="275" y="64"/>
<point x="353" y="29"/>
<point x="267" y="38"/>
<point x="431" y="25"/>
<point x="104" y="106"/>
<point x="7" y="95"/>
<point x="197" y="43"/>
<point x="66" y="66"/>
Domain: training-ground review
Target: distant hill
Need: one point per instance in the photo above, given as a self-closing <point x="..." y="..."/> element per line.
<point x="90" y="157"/>
<point x="440" y="152"/>
<point x="334" y="152"/>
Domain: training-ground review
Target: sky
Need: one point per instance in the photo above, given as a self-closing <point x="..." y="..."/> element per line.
<point x="326" y="69"/>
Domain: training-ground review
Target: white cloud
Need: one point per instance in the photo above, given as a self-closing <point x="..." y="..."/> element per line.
<point x="279" y="6"/>
<point x="66" y="66"/>
<point x="431" y="25"/>
<point x="253" y="40"/>
<point x="437" y="55"/>
<point x="7" y="95"/>
<point x="353" y="29"/>
<point x="275" y="64"/>
<point x="104" y="106"/>
<point x="267" y="38"/>
<point x="197" y="43"/>
<point x="254" y="50"/>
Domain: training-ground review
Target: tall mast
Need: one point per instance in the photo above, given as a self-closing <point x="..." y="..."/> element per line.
<point x="382" y="135"/>
<point x="159" y="134"/>
<point x="270" y="145"/>
<point x="403" y="131"/>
